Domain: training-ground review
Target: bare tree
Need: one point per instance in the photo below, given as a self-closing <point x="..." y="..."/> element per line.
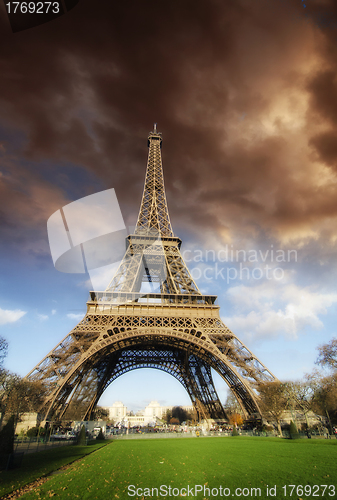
<point x="3" y="351"/>
<point x="273" y="401"/>
<point x="232" y="405"/>
<point x="3" y="375"/>
<point x="324" y="400"/>
<point x="328" y="354"/>
<point x="18" y="396"/>
<point x="300" y="396"/>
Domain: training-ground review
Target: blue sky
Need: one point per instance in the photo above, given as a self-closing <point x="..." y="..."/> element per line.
<point x="245" y="95"/>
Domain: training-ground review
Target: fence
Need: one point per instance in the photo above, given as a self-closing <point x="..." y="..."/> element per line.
<point x="38" y="444"/>
<point x="190" y="434"/>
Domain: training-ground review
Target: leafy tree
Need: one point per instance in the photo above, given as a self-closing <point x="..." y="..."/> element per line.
<point x="174" y="421"/>
<point x="273" y="401"/>
<point x="328" y="354"/>
<point x="180" y="414"/>
<point x="32" y="432"/>
<point x="100" y="435"/>
<point x="235" y="419"/>
<point x="167" y="417"/>
<point x="293" y="431"/>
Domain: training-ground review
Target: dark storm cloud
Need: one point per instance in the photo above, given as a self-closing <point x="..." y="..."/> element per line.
<point x="26" y="204"/>
<point x="323" y="89"/>
<point x="326" y="145"/>
<point x="224" y="80"/>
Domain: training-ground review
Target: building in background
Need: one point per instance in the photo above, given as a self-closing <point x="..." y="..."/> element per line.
<point x="116" y="412"/>
<point x="153" y="414"/>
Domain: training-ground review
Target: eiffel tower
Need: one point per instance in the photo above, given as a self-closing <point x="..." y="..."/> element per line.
<point x="173" y="327"/>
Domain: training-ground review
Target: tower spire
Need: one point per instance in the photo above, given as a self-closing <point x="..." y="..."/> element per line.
<point x="153" y="214"/>
<point x="153" y="253"/>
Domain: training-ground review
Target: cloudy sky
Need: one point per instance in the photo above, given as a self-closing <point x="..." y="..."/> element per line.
<point x="245" y="95"/>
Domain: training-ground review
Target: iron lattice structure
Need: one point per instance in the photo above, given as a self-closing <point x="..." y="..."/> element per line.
<point x="169" y="326"/>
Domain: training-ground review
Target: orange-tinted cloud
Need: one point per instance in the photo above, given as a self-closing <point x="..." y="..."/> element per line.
<point x="244" y="93"/>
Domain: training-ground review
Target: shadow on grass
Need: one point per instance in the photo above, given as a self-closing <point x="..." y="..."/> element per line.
<point x="42" y="463"/>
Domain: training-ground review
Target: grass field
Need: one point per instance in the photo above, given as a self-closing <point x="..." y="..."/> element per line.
<point x="230" y="463"/>
<point x="35" y="465"/>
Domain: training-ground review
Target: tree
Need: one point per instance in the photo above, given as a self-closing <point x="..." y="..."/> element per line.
<point x="328" y="354"/>
<point x="233" y="410"/>
<point x="192" y="416"/>
<point x="7" y="381"/>
<point x="100" y="435"/>
<point x="293" y="431"/>
<point x="18" y="396"/>
<point x="3" y="351"/>
<point x="167" y="417"/>
<point x="235" y="419"/>
<point x="232" y="405"/>
<point x="300" y="396"/>
<point x="273" y="401"/>
<point x="81" y="440"/>
<point x="3" y="354"/>
<point x="325" y="395"/>
<point x="179" y="414"/>
<point x="99" y="413"/>
<point x="32" y="432"/>
<point x="36" y="431"/>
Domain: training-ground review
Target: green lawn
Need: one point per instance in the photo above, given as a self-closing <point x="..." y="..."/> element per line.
<point x="234" y="462"/>
<point x="35" y="465"/>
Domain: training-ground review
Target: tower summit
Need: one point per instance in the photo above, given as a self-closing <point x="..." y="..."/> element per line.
<point x="153" y="254"/>
<point x="153" y="213"/>
<point x="151" y="315"/>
